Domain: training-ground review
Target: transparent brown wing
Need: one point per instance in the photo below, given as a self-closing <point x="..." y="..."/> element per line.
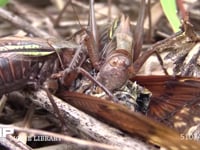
<point x="130" y="122"/>
<point x="174" y="99"/>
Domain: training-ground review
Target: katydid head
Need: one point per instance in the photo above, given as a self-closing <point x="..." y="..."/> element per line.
<point x="114" y="73"/>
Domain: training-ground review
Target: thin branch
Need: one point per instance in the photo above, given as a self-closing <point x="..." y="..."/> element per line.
<point x="21" y="23"/>
<point x="83" y="124"/>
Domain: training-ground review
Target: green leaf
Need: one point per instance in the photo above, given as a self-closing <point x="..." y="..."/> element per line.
<point x="3" y="2"/>
<point x="170" y="10"/>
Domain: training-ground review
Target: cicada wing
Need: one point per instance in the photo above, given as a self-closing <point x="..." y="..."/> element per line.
<point x="171" y="97"/>
<point x="133" y="123"/>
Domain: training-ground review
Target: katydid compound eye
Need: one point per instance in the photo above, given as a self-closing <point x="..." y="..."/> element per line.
<point x="114" y="62"/>
<point x="120" y="61"/>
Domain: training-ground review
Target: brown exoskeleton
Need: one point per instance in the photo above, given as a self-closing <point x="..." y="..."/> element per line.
<point x="115" y="70"/>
